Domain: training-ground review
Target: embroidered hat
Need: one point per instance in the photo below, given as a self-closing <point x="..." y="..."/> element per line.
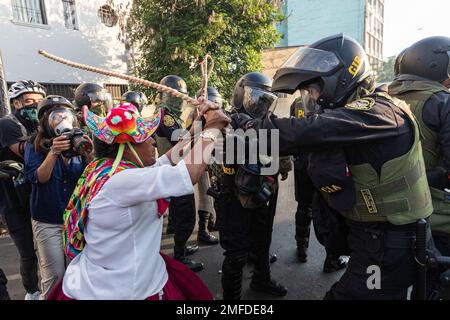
<point x="122" y="124"/>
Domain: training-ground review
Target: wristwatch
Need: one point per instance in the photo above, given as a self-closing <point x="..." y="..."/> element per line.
<point x="208" y="135"/>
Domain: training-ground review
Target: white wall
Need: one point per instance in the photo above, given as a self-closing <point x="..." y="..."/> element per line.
<point x="93" y="44"/>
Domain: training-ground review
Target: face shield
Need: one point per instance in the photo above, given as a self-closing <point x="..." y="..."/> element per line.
<point x="101" y="102"/>
<point x="313" y="60"/>
<point x="62" y="120"/>
<point x="257" y="101"/>
<point x="308" y="100"/>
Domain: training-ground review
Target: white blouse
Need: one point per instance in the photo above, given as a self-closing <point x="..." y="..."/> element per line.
<point x="123" y="235"/>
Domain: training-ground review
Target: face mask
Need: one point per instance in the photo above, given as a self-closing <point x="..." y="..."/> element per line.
<point x="28" y="116"/>
<point x="61" y="121"/>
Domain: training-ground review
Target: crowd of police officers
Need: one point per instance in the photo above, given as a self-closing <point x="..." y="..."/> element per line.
<point x="370" y="161"/>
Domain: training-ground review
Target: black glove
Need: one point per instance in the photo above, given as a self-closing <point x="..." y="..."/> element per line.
<point x="239" y="120"/>
<point x="10" y="169"/>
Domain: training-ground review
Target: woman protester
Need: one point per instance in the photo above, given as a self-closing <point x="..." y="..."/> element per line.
<point x="54" y="162"/>
<point x="113" y="222"/>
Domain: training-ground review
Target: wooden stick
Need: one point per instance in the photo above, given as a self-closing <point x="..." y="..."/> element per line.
<point x="140" y="81"/>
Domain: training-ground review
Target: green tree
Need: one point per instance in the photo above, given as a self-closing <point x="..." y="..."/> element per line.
<point x="385" y="71"/>
<point x="173" y="36"/>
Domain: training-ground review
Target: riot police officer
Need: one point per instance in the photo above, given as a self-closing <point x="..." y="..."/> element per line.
<point x="310" y="206"/>
<point x="93" y="95"/>
<point x="423" y="81"/>
<point x="246" y="202"/>
<point x="181" y="209"/>
<point x="365" y="158"/>
<point x="137" y="98"/>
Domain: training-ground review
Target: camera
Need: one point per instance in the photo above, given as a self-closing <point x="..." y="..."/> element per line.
<point x="80" y="144"/>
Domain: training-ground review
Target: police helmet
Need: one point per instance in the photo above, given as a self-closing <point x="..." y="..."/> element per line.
<point x="93" y="95"/>
<point x="252" y="94"/>
<point x="338" y="63"/>
<point x="428" y="58"/>
<point x="137" y="98"/>
<point x="213" y="95"/>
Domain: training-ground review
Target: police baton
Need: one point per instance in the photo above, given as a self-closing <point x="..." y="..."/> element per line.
<point x="421" y="260"/>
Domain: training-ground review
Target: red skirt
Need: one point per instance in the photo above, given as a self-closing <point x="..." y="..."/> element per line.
<point x="183" y="284"/>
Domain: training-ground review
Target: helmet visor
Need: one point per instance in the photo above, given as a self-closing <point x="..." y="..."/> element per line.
<point x="257" y="101"/>
<point x="101" y="102"/>
<point x="313" y="60"/>
<point x="171" y="102"/>
<point x="62" y="120"/>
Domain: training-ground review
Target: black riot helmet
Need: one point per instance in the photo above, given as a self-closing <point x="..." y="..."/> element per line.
<point x="428" y="58"/>
<point x="213" y="95"/>
<point x="93" y="95"/>
<point x="174" y="82"/>
<point x="171" y="103"/>
<point x="252" y="94"/>
<point x="137" y="98"/>
<point x="337" y="63"/>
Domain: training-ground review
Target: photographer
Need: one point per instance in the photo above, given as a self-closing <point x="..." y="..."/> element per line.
<point x="53" y="164"/>
<point x="14" y="190"/>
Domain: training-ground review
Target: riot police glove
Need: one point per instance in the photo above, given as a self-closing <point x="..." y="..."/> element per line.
<point x="240" y="120"/>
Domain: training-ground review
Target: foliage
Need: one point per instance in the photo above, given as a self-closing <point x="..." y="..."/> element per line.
<point x="173" y="36"/>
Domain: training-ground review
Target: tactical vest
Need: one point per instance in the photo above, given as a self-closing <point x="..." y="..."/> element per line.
<point x="416" y="94"/>
<point x="400" y="194"/>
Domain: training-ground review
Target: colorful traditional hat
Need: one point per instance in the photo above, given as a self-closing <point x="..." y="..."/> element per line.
<point x="122" y="124"/>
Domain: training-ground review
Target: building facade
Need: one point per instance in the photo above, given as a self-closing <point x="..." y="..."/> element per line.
<point x="309" y="20"/>
<point x="79" y="30"/>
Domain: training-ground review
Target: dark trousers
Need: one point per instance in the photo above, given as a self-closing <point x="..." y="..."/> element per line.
<point x="19" y="227"/>
<point x="304" y="191"/>
<point x="242" y="230"/>
<point x="3" y="291"/>
<point x="382" y="245"/>
<point x="436" y="290"/>
<point x="182" y="211"/>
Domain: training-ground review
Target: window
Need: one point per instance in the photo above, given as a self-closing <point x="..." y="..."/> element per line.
<point x="107" y="15"/>
<point x="70" y="14"/>
<point x="29" y="11"/>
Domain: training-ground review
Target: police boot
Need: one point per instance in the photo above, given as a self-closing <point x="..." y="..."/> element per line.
<point x="333" y="263"/>
<point x="302" y="252"/>
<point x="203" y="236"/>
<point x="232" y="277"/>
<point x="264" y="283"/>
<point x="179" y="254"/>
<point x="303" y="218"/>
<point x="232" y="285"/>
<point x="212" y="223"/>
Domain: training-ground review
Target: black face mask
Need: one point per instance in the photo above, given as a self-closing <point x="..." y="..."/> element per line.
<point x="28" y="116"/>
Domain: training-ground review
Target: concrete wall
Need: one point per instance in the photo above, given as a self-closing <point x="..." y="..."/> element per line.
<point x="94" y="44"/>
<point x="310" y="20"/>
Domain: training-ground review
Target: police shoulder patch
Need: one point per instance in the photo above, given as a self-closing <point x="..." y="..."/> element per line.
<point x="169" y="121"/>
<point x="361" y="104"/>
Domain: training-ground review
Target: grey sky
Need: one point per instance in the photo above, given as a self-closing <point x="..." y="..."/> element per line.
<point x="407" y="21"/>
